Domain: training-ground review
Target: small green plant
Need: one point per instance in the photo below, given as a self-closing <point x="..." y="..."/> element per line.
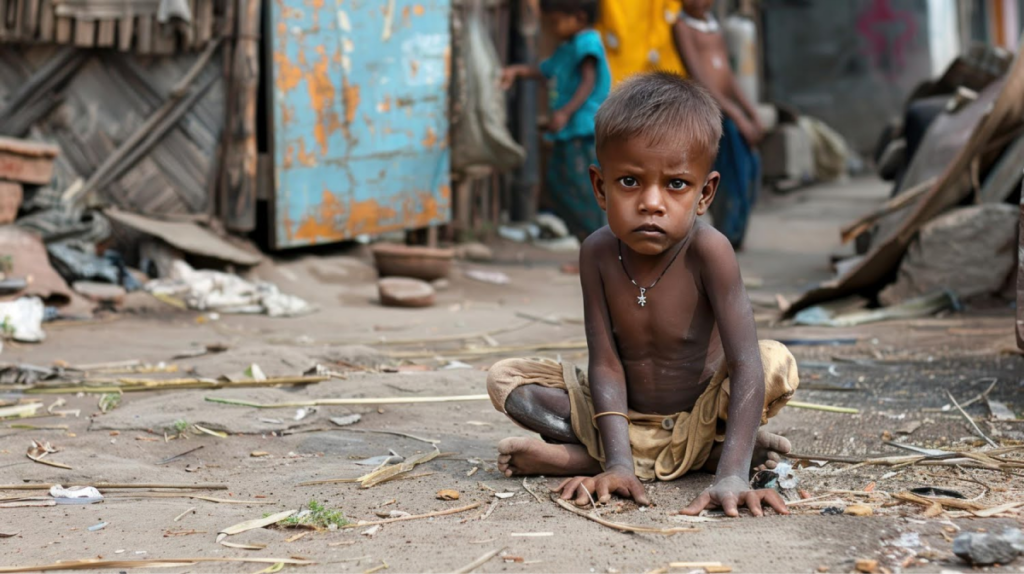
<point x="318" y="517"/>
<point x="181" y="427"/>
<point x="109" y="401"/>
<point x="6" y="328"/>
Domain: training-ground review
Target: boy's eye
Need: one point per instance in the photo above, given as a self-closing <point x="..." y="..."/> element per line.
<point x="628" y="181"/>
<point x="676" y="184"/>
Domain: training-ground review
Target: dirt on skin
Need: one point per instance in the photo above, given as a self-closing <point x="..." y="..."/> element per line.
<point x="896" y="374"/>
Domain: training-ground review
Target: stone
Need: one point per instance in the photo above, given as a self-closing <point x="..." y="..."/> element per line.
<point x="969" y="251"/>
<point x="405" y="292"/>
<point x="475" y="252"/>
<point x="983" y="548"/>
<point x="97" y="292"/>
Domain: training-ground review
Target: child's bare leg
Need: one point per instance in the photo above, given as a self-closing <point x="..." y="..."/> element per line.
<point x="768" y="450"/>
<point x="547" y="412"/>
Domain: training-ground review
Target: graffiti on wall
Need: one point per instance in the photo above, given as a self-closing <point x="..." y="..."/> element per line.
<point x="888" y="35"/>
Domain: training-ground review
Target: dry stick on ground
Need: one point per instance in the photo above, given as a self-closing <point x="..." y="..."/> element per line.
<point x="479" y="562"/>
<point x="110" y="486"/>
<point x="622" y="527"/>
<point x="182" y="515"/>
<point x="133" y="495"/>
<point x="395" y="433"/>
<point x="417" y="516"/>
<point x="349" y="402"/>
<point x="445" y="338"/>
<point x="826" y="408"/>
<point x="950" y="502"/>
<point x="139" y="385"/>
<point x="531" y="491"/>
<point x="970" y="420"/>
<point x="490" y="509"/>
<point x="93" y="564"/>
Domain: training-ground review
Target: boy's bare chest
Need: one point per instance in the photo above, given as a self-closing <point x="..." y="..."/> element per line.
<point x="674" y="312"/>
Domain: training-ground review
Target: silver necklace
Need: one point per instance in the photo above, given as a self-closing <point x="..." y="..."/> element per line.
<point x="642" y="299"/>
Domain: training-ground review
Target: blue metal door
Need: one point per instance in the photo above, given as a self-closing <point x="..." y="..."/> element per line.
<point x="360" y="107"/>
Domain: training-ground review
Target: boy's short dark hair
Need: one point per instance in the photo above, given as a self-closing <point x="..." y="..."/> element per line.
<point x="660" y="107"/>
<point x="587" y="7"/>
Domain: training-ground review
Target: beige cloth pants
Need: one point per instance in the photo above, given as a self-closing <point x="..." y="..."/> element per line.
<point x="664" y="447"/>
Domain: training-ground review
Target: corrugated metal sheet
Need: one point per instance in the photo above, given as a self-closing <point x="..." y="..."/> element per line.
<point x="360" y="117"/>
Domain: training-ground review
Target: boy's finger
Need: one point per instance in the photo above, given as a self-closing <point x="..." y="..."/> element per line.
<point x="753" y="502"/>
<point x="697" y="505"/>
<point x="602" y="493"/>
<point x="640" y="495"/>
<point x="560" y="486"/>
<point x="569" y="488"/>
<point x="775" y="501"/>
<point x="729" y="506"/>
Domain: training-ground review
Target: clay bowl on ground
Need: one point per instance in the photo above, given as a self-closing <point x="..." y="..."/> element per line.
<point x="426" y="263"/>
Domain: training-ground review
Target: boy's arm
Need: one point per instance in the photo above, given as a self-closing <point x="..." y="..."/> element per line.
<point x="588" y="79"/>
<point x="608" y="391"/>
<point x="745" y="103"/>
<point x="720" y="276"/>
<point x="515" y="71"/>
<point x="696" y="67"/>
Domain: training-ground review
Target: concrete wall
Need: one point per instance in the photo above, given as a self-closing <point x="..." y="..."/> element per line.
<point x="850" y="63"/>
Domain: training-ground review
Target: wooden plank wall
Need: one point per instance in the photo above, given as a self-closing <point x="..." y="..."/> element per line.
<point x="96" y="100"/>
<point x="38" y="22"/>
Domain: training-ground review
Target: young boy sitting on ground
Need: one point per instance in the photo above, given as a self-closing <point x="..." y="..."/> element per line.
<point x="678" y="381"/>
<point x="580" y="81"/>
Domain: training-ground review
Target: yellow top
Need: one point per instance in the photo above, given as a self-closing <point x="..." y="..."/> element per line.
<point x="637" y="35"/>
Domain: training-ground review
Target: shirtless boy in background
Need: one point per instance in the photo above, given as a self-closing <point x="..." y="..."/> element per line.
<point x="703" y="50"/>
<point x="673" y="347"/>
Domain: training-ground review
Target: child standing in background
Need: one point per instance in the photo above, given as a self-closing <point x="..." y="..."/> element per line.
<point x="580" y="82"/>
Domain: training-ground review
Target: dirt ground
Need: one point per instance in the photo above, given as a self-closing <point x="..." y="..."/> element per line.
<point x="896" y="373"/>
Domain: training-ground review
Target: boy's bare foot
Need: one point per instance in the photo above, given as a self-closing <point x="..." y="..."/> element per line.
<point x="769" y="448"/>
<point x="529" y="456"/>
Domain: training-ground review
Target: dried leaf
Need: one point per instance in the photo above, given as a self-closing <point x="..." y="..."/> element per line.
<point x="25" y="410"/>
<point x="271" y="569"/>
<point x="504" y="495"/>
<point x="259" y="453"/>
<point x="220" y="434"/>
<point x="388" y="472"/>
<point x="448" y="494"/>
<point x="242" y="546"/>
<point x="8" y="534"/>
<point x="253" y="524"/>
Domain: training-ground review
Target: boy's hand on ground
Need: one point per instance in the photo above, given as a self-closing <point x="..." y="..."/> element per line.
<point x="615" y="480"/>
<point x="730" y="494"/>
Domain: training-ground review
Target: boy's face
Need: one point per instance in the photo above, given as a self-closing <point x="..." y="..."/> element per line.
<point x="565" y="25"/>
<point x="653" y="194"/>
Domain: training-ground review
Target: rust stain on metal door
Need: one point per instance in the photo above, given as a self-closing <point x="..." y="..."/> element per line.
<point x="360" y="117"/>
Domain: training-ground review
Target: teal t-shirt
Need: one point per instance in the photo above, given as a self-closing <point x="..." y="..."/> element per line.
<point x="563" y="68"/>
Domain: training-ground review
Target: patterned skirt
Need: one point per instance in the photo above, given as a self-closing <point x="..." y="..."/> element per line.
<point x="568" y="186"/>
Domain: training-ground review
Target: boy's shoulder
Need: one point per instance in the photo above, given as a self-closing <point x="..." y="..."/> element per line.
<point x="597" y="244"/>
<point x="710" y="253"/>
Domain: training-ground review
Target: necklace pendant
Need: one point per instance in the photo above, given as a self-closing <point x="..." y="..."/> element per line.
<point x="642" y="299"/>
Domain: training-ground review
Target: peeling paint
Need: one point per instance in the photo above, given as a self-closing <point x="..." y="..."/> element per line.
<point x="430" y="140"/>
<point x="287" y="75"/>
<point x="387" y="99"/>
<point x="350" y="98"/>
<point x="321" y="99"/>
